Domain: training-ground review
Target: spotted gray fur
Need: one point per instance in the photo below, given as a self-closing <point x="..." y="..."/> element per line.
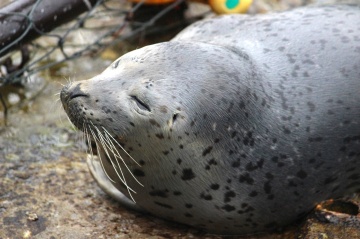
<point x="240" y="124"/>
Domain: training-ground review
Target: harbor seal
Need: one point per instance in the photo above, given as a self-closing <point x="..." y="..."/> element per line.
<point x="238" y="125"/>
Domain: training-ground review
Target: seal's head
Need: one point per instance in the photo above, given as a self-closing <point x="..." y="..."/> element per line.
<point x="154" y="88"/>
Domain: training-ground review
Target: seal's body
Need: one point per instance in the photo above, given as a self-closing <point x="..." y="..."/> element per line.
<point x="240" y="124"/>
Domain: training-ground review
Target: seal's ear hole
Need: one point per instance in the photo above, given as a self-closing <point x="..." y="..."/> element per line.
<point x="174" y="118"/>
<point x="140" y="103"/>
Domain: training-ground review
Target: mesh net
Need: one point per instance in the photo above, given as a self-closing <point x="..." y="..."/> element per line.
<point x="38" y="34"/>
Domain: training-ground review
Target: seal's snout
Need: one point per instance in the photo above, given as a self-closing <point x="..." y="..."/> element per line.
<point x="70" y="92"/>
<point x="72" y="98"/>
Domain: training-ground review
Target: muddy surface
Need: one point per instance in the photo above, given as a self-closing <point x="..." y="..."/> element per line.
<point x="46" y="190"/>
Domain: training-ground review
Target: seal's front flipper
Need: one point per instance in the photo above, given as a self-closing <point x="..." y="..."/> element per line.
<point x="105" y="184"/>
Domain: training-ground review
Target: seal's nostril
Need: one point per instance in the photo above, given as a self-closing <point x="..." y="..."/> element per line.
<point x="76" y="92"/>
<point x="140" y="103"/>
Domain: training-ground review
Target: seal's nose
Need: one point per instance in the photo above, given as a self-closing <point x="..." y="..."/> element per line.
<point x="71" y="91"/>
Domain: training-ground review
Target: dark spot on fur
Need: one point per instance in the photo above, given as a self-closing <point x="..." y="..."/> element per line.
<point x="253" y="194"/>
<point x="206" y="197"/>
<point x="286" y="130"/>
<point x="253" y="166"/>
<point x="236" y="163"/>
<point x="267" y="187"/>
<point x="153" y="122"/>
<point x="246" y="178"/>
<point x="160" y="136"/>
<point x="292" y="184"/>
<point x="139" y="173"/>
<point x="163" y="109"/>
<point x="312" y="160"/>
<point x="211" y="162"/>
<point x="315" y="139"/>
<point x="330" y="112"/>
<point x="269" y="176"/>
<point x="311" y="106"/>
<point x="163" y="205"/>
<point x="244" y="205"/>
<point x="207" y="151"/>
<point x="242" y="105"/>
<point x="159" y="193"/>
<point x="187" y="174"/>
<point x="228" y="195"/>
<point x="352" y="138"/>
<point x="228" y="208"/>
<point x="215" y="186"/>
<point x="301" y="174"/>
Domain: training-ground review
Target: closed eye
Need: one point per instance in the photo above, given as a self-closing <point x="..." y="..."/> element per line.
<point x="140" y="104"/>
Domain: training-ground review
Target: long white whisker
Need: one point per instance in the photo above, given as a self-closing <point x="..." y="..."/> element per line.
<point x="86" y="139"/>
<point x="98" y="149"/>
<point x="90" y="149"/>
<point x="120" y="146"/>
<point x="117" y="155"/>
<point x="122" y="176"/>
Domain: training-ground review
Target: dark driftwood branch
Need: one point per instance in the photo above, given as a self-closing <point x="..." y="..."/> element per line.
<point x="25" y="20"/>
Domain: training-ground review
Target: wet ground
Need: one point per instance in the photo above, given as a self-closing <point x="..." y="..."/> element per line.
<point x="46" y="190"/>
